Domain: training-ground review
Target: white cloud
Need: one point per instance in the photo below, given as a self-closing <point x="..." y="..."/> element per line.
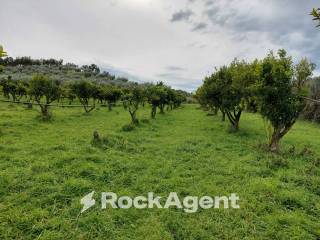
<point x="139" y="38"/>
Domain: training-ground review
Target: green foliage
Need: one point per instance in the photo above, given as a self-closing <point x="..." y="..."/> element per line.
<point x="85" y="90"/>
<point x="312" y="109"/>
<point x="128" y="127"/>
<point x="132" y="99"/>
<point x="111" y="94"/>
<point x="67" y="93"/>
<point x="2" y="52"/>
<point x="274" y="86"/>
<point x="280" y="93"/>
<point x="229" y="89"/>
<point x="316" y="14"/>
<point x="160" y="95"/>
<point x="302" y="73"/>
<point x="23" y="68"/>
<point x="14" y="89"/>
<point x="44" y="91"/>
<point x="157" y="97"/>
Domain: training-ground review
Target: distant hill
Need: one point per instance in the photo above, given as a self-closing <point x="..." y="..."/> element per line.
<point x="24" y="68"/>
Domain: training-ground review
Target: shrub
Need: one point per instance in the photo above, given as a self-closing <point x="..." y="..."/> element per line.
<point x="128" y="127"/>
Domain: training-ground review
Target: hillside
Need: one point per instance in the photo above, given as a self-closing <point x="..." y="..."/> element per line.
<point x="24" y="68"/>
<point x="47" y="167"/>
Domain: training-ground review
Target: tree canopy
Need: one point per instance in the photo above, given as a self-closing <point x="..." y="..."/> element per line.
<point x="316" y="15"/>
<point x="2" y="52"/>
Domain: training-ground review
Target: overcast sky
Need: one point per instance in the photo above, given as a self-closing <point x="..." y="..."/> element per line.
<point x="175" y="41"/>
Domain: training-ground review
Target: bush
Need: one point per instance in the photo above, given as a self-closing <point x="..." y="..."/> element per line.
<point x="145" y="120"/>
<point x="276" y="162"/>
<point x="112" y="141"/>
<point x="128" y="127"/>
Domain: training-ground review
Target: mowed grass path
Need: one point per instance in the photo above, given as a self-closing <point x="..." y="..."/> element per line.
<point x="47" y="167"/>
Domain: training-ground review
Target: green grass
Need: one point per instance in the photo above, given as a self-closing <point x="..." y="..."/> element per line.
<point x="47" y="167"/>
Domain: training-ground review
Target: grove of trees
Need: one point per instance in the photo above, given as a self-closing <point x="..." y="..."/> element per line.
<point x="44" y="91"/>
<point x="273" y="86"/>
<point x="279" y="90"/>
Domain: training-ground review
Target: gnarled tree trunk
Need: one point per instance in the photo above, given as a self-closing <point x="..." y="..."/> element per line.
<point x="161" y="107"/>
<point x="234" y="118"/>
<point x="45" y="111"/>
<point x="153" y="111"/>
<point x="277" y="134"/>
<point x="223" y="117"/>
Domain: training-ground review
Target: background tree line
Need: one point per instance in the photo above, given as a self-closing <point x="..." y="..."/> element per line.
<point x="43" y="91"/>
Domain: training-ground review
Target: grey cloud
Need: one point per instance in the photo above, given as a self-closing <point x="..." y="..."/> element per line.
<point x="209" y="2"/>
<point x="199" y="26"/>
<point x="174" y="68"/>
<point x="182" y="15"/>
<point x="293" y="33"/>
<point x="178" y="81"/>
<point x="196" y="45"/>
<point x="246" y="29"/>
<point x="166" y="75"/>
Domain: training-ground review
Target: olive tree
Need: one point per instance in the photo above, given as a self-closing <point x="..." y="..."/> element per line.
<point x="44" y="91"/>
<point x="85" y="91"/>
<point x="208" y="99"/>
<point x="281" y="94"/>
<point x="157" y="98"/>
<point x="312" y="110"/>
<point x="13" y="88"/>
<point x="67" y="93"/>
<point x="302" y="72"/>
<point x="111" y="95"/>
<point x="132" y="99"/>
<point x="175" y="98"/>
<point x="228" y="89"/>
<point x="178" y="99"/>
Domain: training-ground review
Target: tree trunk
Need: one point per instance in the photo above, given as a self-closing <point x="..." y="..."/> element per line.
<point x="235" y="126"/>
<point x="45" y="111"/>
<point x="223" y="117"/>
<point x="14" y="98"/>
<point x="134" y="119"/>
<point x="274" y="141"/>
<point x="161" y="109"/>
<point x="89" y="109"/>
<point x="153" y="111"/>
<point x="234" y="119"/>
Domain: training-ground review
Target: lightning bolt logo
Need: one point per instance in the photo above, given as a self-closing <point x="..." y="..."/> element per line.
<point x="87" y="201"/>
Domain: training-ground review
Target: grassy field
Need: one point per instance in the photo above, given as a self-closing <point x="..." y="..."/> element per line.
<point x="47" y="167"/>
